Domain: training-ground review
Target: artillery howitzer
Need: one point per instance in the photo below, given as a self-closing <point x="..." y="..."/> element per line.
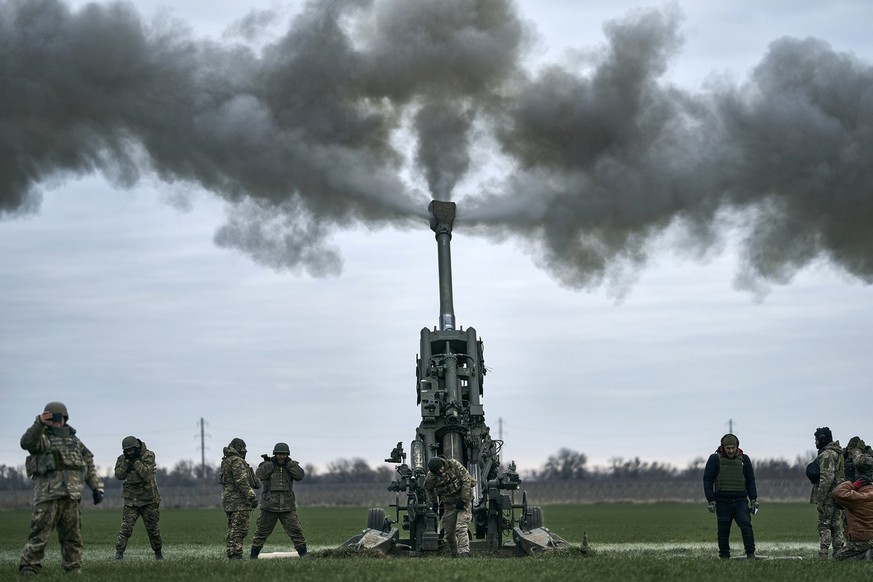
<point x="450" y="372"/>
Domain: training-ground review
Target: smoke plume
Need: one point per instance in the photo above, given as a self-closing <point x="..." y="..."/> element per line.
<point x="361" y="111"/>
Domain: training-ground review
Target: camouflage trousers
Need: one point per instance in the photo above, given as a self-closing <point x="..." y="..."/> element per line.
<point x="267" y="522"/>
<point x="63" y="515"/>
<point x="150" y="513"/>
<point x="455" y="526"/>
<point x="830" y="526"/>
<point x="237" y="530"/>
<point x="856" y="550"/>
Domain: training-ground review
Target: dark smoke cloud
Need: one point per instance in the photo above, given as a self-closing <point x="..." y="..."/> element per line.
<point x="322" y="128"/>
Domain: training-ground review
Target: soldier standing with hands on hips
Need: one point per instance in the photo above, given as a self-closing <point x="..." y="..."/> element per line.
<point x="60" y="466"/>
<point x="136" y="467"/>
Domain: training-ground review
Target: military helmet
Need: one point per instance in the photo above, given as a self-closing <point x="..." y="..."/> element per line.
<point x="57" y="408"/>
<point x="281" y="448"/>
<point x="129" y="442"/>
<point x="435" y="464"/>
<point x="238" y="444"/>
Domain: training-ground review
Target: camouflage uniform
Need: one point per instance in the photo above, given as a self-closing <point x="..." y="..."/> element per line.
<point x="238" y="498"/>
<point x="830" y="519"/>
<point x="141" y="498"/>
<point x="60" y="466"/>
<point x="278" y="503"/>
<point x="454" y="489"/>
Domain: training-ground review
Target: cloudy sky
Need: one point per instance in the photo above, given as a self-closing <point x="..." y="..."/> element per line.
<point x="216" y="211"/>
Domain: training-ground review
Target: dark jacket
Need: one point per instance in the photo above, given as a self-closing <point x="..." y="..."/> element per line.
<point x="710" y="472"/>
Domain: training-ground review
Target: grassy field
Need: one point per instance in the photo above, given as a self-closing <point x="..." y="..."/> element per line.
<point x="630" y="542"/>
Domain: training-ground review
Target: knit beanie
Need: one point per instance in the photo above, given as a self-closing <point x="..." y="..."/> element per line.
<point x="730" y="440"/>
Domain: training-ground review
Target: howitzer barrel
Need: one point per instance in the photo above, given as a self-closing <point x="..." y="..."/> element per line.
<point x="442" y="216"/>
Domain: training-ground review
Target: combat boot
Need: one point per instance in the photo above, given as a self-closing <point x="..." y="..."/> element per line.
<point x="119" y="555"/>
<point x="301" y="550"/>
<point x="158" y="554"/>
<point x="253" y="555"/>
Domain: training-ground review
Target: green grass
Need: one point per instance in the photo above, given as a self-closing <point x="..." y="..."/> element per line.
<point x="630" y="542"/>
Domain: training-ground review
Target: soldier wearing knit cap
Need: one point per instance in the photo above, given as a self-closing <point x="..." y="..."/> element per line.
<point x="831" y="467"/>
<point x="729" y="486"/>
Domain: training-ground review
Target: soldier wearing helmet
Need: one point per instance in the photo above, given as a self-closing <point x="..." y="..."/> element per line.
<point x="238" y="484"/>
<point x="450" y="485"/>
<point x="278" y="502"/>
<point x="831" y="469"/>
<point x="60" y="466"/>
<point x="136" y="467"/>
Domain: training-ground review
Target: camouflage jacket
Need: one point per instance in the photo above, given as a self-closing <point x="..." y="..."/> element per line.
<point x="59" y="463"/>
<point x="859" y="509"/>
<point x="279" y="484"/>
<point x="832" y="466"/>
<point x="138" y="474"/>
<point x="238" y="482"/>
<point x="455" y="483"/>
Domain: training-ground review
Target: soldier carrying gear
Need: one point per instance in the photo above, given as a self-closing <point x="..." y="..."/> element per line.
<point x="238" y="484"/>
<point x="136" y="467"/>
<point x="449" y="483"/>
<point x="60" y="466"/>
<point x="278" y="502"/>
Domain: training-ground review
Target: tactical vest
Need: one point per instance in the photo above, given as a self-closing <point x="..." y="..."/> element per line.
<point x="62" y="454"/>
<point x="280" y="480"/>
<point x="730" y="474"/>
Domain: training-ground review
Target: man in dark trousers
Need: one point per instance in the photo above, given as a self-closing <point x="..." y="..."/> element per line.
<point x="729" y="486"/>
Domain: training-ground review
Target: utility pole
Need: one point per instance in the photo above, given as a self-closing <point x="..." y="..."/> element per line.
<point x="731" y="425"/>
<point x="203" y="450"/>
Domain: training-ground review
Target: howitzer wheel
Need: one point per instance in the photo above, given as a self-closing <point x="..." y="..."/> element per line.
<point x="376" y="518"/>
<point x="534" y="517"/>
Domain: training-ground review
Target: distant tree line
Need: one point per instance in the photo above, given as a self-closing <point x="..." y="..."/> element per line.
<point x="568" y="464"/>
<point x="565" y="465"/>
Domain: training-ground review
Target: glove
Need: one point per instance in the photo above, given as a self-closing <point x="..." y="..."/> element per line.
<point x="254" y="503"/>
<point x="460" y="504"/>
<point x="861" y="481"/>
<point x="753" y="507"/>
<point x="711" y="507"/>
<point x="97" y="495"/>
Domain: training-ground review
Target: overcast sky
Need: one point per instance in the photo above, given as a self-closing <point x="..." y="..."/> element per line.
<point x="215" y="211"/>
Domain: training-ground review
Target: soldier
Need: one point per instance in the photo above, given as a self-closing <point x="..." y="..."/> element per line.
<point x="136" y="467"/>
<point x="857" y="498"/>
<point x="60" y="465"/>
<point x="278" y="502"/>
<point x="830" y="468"/>
<point x="238" y="484"/>
<point x="731" y="494"/>
<point x="449" y="483"/>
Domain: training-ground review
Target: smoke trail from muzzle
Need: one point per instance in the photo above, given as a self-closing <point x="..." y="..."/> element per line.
<point x="322" y="128"/>
<point x="609" y="161"/>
